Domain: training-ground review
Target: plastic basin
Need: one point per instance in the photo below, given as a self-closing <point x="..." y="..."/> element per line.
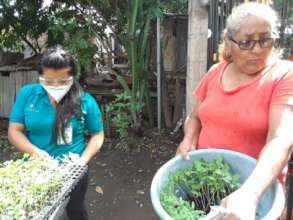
<point x="270" y="206"/>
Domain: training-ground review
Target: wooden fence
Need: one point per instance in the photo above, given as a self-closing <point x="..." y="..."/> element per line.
<point x="10" y="83"/>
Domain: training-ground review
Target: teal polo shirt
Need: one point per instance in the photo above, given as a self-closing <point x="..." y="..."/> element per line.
<point x="33" y="109"/>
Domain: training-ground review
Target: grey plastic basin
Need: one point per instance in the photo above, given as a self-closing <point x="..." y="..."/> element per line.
<point x="270" y="206"/>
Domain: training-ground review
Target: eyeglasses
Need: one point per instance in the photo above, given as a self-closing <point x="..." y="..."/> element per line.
<point x="58" y="82"/>
<point x="249" y="44"/>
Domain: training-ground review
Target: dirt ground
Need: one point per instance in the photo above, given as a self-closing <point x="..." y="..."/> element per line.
<point x="120" y="182"/>
<point x="125" y="179"/>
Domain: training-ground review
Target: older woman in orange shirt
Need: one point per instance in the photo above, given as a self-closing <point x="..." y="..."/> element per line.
<point x="245" y="104"/>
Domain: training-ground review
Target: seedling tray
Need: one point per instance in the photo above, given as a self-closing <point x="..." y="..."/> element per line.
<point x="70" y="179"/>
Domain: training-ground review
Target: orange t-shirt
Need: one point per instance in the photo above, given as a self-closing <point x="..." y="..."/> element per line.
<point x="238" y="119"/>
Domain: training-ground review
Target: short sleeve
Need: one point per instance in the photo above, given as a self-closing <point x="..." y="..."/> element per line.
<point x="17" y="112"/>
<point x="283" y="90"/>
<point x="93" y="115"/>
<point x="201" y="90"/>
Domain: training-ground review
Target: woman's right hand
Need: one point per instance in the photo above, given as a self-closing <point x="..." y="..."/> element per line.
<point x="183" y="149"/>
<point x="41" y="153"/>
<point x="18" y="139"/>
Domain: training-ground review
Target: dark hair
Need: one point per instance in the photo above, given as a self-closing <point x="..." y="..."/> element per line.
<point x="70" y="105"/>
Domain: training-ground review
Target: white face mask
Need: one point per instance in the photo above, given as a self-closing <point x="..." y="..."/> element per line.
<point x="57" y="92"/>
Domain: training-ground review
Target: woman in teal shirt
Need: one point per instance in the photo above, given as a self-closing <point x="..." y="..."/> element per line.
<point x="51" y="119"/>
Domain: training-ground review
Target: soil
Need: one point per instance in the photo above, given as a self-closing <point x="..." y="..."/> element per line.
<point x="119" y="187"/>
<point x="125" y="179"/>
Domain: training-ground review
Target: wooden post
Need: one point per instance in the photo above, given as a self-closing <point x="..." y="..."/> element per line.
<point x="197" y="48"/>
<point x="169" y="65"/>
<point x="159" y="104"/>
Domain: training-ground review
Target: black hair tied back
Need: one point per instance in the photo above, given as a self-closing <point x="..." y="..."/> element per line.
<point x="70" y="105"/>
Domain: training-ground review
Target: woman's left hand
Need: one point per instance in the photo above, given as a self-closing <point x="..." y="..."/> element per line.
<point x="241" y="205"/>
<point x="83" y="161"/>
<point x="93" y="146"/>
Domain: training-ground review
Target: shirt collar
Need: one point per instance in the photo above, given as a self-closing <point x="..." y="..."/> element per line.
<point x="40" y="90"/>
<point x="41" y="93"/>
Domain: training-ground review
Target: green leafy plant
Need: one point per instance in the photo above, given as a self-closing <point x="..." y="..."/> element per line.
<point x="76" y="39"/>
<point x="175" y="6"/>
<point x="135" y="38"/>
<point x="23" y="21"/>
<point x="190" y="192"/>
<point x="286" y="37"/>
<point x="118" y="113"/>
<point x="130" y="21"/>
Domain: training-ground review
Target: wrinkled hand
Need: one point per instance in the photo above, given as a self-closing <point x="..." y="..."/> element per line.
<point x="241" y="205"/>
<point x="183" y="149"/>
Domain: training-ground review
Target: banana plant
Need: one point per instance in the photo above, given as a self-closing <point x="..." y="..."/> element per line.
<point x="130" y="21"/>
<point x="137" y="45"/>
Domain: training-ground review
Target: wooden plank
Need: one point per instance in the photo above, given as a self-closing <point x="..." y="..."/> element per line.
<point x="197" y="49"/>
<point x="9" y="87"/>
<point x="179" y="100"/>
<point x="19" y="80"/>
<point x="23" y="78"/>
<point x="169" y="52"/>
<point x="7" y="95"/>
<point x="32" y="77"/>
<point x="13" y="68"/>
<point x="181" y="42"/>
